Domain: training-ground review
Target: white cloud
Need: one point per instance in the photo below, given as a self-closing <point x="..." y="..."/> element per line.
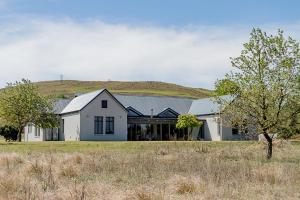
<point x="95" y="50"/>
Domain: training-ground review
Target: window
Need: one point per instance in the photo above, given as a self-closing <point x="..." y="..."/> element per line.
<point x="98" y="125"/>
<point x="219" y="127"/>
<point x="104" y="103"/>
<point x="37" y="132"/>
<point x="235" y="131"/>
<point x="109" y="125"/>
<point x="29" y="128"/>
<point x="63" y="126"/>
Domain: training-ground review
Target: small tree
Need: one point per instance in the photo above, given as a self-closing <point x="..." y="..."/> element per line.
<point x="265" y="85"/>
<point x="188" y="121"/>
<point x="21" y="103"/>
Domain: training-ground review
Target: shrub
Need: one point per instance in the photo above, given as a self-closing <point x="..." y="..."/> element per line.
<point x="286" y="133"/>
<point x="10" y="133"/>
<point x="142" y="195"/>
<point x="186" y="188"/>
<point x="68" y="171"/>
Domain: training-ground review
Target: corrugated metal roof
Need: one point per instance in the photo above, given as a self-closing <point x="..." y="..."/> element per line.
<point x="206" y="106"/>
<point x="148" y="105"/>
<point x="79" y="102"/>
<point x="60" y="104"/>
<point x="144" y="104"/>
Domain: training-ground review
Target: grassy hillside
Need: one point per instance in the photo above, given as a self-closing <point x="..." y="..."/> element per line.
<point x="68" y="88"/>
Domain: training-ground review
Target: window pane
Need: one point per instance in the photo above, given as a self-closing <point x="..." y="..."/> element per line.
<point x="37" y="132"/>
<point x="29" y="128"/>
<point x="62" y="126"/>
<point x="109" y="125"/>
<point x="104" y="103"/>
<point x="235" y="131"/>
<point x="98" y="125"/>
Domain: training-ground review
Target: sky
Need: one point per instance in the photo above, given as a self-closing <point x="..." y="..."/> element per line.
<point x="188" y="42"/>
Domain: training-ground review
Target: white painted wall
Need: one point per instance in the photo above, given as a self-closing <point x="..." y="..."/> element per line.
<point x="30" y="136"/>
<point x="71" y="129"/>
<point x="45" y="134"/>
<point x="211" y="128"/>
<point x="113" y="109"/>
<point x="211" y="131"/>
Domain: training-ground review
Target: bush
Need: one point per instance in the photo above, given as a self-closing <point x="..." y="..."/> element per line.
<point x="286" y="133"/>
<point x="10" y="133"/>
<point x="186" y="188"/>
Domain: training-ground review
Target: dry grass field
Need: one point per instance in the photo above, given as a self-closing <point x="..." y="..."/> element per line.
<point x="148" y="170"/>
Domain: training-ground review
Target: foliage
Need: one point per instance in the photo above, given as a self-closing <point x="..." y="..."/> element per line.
<point x="47" y="120"/>
<point x="292" y="127"/>
<point x="10" y="133"/>
<point x="225" y="87"/>
<point x="266" y="74"/>
<point x="286" y="133"/>
<point x="21" y="103"/>
<point x="188" y="121"/>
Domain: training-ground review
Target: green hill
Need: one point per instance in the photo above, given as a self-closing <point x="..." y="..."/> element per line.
<point x="68" y="88"/>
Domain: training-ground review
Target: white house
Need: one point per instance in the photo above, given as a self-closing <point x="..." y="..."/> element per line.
<point x="103" y="116"/>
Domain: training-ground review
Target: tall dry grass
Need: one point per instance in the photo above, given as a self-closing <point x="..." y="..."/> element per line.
<point x="164" y="172"/>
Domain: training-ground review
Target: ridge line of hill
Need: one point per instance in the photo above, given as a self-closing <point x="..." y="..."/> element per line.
<point x="68" y="88"/>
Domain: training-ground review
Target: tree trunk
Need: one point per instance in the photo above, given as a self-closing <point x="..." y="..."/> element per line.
<point x="19" y="138"/>
<point x="270" y="145"/>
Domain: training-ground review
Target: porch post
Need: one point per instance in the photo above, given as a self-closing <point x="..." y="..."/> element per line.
<point x="151" y="129"/>
<point x="169" y="127"/>
<point x="161" y="132"/>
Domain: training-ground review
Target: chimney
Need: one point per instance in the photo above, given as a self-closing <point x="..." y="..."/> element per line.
<point x="77" y="94"/>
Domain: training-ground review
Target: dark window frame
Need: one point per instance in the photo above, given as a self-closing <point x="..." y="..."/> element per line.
<point x="30" y="127"/>
<point x="98" y="125"/>
<point x="104" y="104"/>
<point x="63" y="126"/>
<point x="235" y="130"/>
<point x="37" y="132"/>
<point x="109" y="125"/>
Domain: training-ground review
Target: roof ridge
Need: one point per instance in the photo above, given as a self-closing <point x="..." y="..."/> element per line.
<point x="79" y="107"/>
<point x="153" y="96"/>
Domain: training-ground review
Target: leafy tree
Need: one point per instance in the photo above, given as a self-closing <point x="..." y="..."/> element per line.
<point x="188" y="121"/>
<point x="225" y="87"/>
<point x="21" y="103"/>
<point x="266" y="76"/>
<point x="10" y="133"/>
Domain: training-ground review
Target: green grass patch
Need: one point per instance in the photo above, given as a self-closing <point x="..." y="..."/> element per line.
<point x="68" y="88"/>
<point x="81" y="146"/>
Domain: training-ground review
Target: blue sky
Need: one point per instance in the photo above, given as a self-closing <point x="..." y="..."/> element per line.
<point x="185" y="42"/>
<point x="163" y="12"/>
